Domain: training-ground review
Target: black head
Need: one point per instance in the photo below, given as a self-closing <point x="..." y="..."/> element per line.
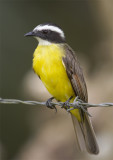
<point x="49" y="32"/>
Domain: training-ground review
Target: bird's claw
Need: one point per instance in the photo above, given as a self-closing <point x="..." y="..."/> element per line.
<point x="49" y="105"/>
<point x="66" y="104"/>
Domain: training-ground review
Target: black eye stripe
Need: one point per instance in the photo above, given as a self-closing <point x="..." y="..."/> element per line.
<point x="45" y="31"/>
<point x="49" y="35"/>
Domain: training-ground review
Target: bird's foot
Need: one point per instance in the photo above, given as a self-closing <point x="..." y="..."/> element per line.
<point x="66" y="104"/>
<point x="50" y="105"/>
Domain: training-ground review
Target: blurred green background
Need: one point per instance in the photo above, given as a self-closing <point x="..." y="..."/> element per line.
<point x="88" y="27"/>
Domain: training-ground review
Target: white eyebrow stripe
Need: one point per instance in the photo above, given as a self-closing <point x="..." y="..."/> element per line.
<point x="52" y="28"/>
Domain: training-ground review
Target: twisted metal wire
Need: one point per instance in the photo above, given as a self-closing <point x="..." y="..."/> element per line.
<point x="75" y="105"/>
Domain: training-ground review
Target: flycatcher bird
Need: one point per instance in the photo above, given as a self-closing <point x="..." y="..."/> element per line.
<point x="57" y="66"/>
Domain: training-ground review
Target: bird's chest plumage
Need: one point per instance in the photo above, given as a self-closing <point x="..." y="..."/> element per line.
<point x="47" y="63"/>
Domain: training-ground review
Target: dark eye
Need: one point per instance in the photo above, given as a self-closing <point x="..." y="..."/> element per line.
<point x="45" y="31"/>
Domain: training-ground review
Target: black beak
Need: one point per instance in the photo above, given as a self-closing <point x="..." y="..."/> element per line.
<point x="30" y="34"/>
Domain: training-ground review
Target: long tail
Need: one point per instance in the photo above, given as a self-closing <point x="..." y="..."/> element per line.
<point x="85" y="135"/>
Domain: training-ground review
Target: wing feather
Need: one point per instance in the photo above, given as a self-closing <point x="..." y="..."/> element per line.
<point x="83" y="129"/>
<point x="75" y="73"/>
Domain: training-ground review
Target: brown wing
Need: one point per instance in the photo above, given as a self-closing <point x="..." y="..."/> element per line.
<point x="84" y="130"/>
<point x="75" y="73"/>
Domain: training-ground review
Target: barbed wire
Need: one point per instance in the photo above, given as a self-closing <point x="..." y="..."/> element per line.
<point x="77" y="104"/>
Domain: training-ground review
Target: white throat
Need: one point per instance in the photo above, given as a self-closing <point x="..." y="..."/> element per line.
<point x="43" y="42"/>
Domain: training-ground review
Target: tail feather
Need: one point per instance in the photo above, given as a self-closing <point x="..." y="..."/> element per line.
<point x="79" y="133"/>
<point x="85" y="135"/>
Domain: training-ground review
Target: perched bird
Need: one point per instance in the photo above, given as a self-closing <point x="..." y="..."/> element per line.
<point x="57" y="66"/>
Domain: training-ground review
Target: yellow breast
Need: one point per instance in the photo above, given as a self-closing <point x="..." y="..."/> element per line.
<point x="47" y="64"/>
